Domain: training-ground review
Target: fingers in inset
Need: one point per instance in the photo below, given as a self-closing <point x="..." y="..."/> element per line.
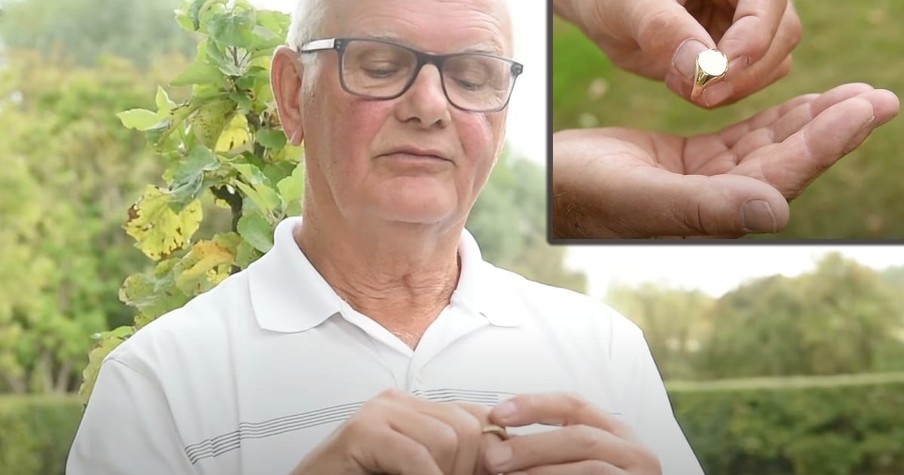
<point x="748" y="74"/>
<point x="791" y="165"/>
<point x="753" y="29"/>
<point x="776" y="124"/>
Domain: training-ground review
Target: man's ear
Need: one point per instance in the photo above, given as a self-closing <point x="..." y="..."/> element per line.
<point x="286" y="76"/>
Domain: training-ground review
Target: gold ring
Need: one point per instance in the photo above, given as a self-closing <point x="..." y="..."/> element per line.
<point x="494" y="429"/>
<point x="710" y="67"/>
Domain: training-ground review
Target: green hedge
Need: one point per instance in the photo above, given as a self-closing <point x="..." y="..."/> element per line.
<point x="832" y="425"/>
<point x="776" y="426"/>
<point x="36" y="432"/>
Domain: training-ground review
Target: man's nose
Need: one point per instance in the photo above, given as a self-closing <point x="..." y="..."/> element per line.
<point x="425" y="100"/>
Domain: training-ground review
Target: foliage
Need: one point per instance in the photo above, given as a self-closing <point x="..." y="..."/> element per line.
<point x="37" y="433"/>
<point x="840" y="318"/>
<point x="858" y="198"/>
<point x="509" y="222"/>
<point x="222" y="145"/>
<point x="839" y="425"/>
<point x="676" y="323"/>
<point x="67" y="169"/>
<point x="86" y="30"/>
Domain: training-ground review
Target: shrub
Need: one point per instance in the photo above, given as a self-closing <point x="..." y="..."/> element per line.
<point x="37" y="432"/>
<point x="827" y="425"/>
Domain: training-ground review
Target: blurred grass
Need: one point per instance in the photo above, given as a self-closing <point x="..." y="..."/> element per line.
<point x="861" y="197"/>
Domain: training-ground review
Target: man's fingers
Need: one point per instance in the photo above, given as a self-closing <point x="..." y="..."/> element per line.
<point x="748" y="73"/>
<point x="833" y="132"/>
<point x="753" y="29"/>
<point x="777" y="123"/>
<point x="668" y="36"/>
<point x="584" y="467"/>
<point x="397" y="453"/>
<point x="569" y="444"/>
<point x="606" y="195"/>
<point x="559" y="409"/>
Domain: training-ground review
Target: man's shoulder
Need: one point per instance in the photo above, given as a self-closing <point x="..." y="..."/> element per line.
<point x="564" y="306"/>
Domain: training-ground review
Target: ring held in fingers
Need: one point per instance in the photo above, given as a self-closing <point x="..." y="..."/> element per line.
<point x="495" y="429"/>
<point x="710" y="67"/>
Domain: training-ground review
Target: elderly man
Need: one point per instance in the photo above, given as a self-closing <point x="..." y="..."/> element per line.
<point x="373" y="338"/>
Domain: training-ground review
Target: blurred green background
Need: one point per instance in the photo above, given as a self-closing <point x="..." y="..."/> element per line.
<point x="861" y="197"/>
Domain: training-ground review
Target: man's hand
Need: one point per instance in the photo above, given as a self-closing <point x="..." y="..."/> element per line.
<point x="660" y="39"/>
<point x="588" y="441"/>
<point x="402" y="434"/>
<point x="625" y="183"/>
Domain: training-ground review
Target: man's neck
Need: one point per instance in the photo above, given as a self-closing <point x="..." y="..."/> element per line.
<point x="400" y="275"/>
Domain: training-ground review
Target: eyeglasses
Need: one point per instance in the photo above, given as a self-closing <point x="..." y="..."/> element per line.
<point x="378" y="69"/>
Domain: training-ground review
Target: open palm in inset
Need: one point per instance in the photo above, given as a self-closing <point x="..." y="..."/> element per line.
<point x="627" y="183"/>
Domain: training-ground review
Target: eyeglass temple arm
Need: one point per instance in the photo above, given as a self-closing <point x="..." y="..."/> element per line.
<point x="318" y="45"/>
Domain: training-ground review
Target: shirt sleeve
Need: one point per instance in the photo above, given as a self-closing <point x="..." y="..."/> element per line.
<point x="656" y="425"/>
<point x="127" y="428"/>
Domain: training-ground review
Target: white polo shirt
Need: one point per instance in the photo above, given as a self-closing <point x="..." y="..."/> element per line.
<point x="252" y="375"/>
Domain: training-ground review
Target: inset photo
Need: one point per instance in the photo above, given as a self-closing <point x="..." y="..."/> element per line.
<point x="726" y="120"/>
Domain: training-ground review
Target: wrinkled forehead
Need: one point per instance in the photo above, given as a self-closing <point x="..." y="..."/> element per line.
<point x="434" y="26"/>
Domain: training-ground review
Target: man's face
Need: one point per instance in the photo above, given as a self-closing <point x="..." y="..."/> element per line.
<point x="416" y="158"/>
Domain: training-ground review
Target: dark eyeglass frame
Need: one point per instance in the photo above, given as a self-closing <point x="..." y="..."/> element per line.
<point x="438" y="60"/>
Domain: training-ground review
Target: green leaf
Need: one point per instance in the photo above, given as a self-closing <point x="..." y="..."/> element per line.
<point x="245" y="254"/>
<point x="257" y="231"/>
<point x="209" y="121"/>
<point x="242" y="101"/>
<point x="232" y="29"/>
<point x="262" y="196"/>
<point x="291" y="188"/>
<point x="164" y="104"/>
<point x="138" y="119"/>
<point x="200" y="73"/>
<point x="271" y="138"/>
<point x="188" y="176"/>
<point x="153" y="293"/>
<point x="274" y="21"/>
<point x="158" y="230"/>
<point x="207" y="10"/>
<point x="194" y="11"/>
<point x="185" y="20"/>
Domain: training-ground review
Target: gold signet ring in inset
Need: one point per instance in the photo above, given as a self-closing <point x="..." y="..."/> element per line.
<point x="494" y="429"/>
<point x="711" y="66"/>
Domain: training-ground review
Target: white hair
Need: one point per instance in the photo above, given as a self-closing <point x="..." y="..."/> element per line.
<point x="306" y="21"/>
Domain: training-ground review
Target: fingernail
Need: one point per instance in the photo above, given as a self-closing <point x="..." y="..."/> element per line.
<point x="685" y="59"/>
<point x="498" y="456"/>
<point x="717" y="93"/>
<point x="504" y="411"/>
<point x="758" y="217"/>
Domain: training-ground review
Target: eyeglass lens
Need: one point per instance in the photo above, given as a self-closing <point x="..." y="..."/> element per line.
<point x="381" y="70"/>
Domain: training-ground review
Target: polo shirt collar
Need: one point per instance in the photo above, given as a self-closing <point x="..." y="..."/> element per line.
<point x="288" y="295"/>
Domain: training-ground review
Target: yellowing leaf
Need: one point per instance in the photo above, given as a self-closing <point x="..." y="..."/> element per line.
<point x="206" y="265"/>
<point x="138" y="119"/>
<point x="209" y="121"/>
<point x="158" y="230"/>
<point x="234" y="136"/>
